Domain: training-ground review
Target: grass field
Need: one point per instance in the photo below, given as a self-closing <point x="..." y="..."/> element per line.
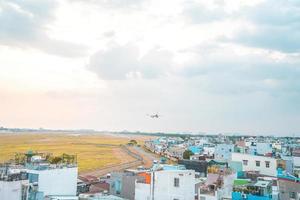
<point x="90" y="148"/>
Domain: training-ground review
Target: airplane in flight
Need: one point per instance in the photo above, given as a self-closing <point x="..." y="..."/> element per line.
<point x="154" y="116"/>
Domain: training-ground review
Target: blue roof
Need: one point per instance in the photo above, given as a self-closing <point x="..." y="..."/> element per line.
<point x="195" y="149"/>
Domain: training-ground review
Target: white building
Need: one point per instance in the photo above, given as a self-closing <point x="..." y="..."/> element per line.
<point x="13" y="190"/>
<point x="296" y="165"/>
<point x="265" y="165"/>
<point x="209" y="150"/>
<point x="13" y="183"/>
<point x="167" y="185"/>
<point x="57" y="181"/>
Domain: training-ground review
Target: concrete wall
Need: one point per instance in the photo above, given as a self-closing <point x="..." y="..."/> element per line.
<point x="209" y="150"/>
<point x="271" y="171"/>
<point x="11" y="190"/>
<point x="285" y="187"/>
<point x="263" y="148"/>
<point x="142" y="191"/>
<point x="164" y="188"/>
<point x="128" y="186"/>
<point x="57" y="181"/>
<point x="224" y="151"/>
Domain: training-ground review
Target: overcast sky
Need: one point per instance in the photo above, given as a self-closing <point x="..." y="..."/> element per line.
<point x="209" y="66"/>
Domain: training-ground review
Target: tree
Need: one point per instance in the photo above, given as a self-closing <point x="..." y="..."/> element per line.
<point x="187" y="154"/>
<point x="132" y="142"/>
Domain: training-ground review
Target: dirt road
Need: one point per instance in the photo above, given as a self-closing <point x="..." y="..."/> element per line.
<point x="139" y="155"/>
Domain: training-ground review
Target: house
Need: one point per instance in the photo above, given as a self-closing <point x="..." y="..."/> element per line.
<point x="122" y="184"/>
<point x="171" y="183"/>
<point x="296" y="166"/>
<point x="217" y="186"/>
<point x="195" y="149"/>
<point x="223" y="152"/>
<point x="53" y="181"/>
<point x="265" y="165"/>
<point x="48" y="180"/>
<point x="264" y="148"/>
<point x="13" y="184"/>
<point x="260" y="190"/>
<point x="199" y="166"/>
<point x="208" y="150"/>
<point x="37" y="179"/>
<point x="240" y="147"/>
<point x="289" y="188"/>
<point x="176" y="152"/>
<point x="296" y="151"/>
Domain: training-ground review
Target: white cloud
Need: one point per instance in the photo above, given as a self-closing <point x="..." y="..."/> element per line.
<point x="120" y="62"/>
<point x="222" y="65"/>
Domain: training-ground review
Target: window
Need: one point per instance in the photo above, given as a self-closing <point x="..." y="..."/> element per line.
<point x="245" y="162"/>
<point x="176" y="182"/>
<point x="257" y="163"/>
<point x="267" y="164"/>
<point x="292" y="195"/>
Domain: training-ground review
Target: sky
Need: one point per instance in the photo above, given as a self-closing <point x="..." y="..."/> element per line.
<point x="219" y="66"/>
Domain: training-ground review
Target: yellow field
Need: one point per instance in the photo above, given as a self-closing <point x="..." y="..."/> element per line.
<point x="89" y="155"/>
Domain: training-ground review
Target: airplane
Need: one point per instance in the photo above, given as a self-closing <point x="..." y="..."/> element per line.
<point x="154" y="116"/>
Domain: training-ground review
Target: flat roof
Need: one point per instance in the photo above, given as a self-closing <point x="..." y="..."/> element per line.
<point x="262" y="183"/>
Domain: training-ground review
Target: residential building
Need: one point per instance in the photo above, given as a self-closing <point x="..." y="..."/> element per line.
<point x="289" y="189"/>
<point x="176" y="152"/>
<point x="53" y="181"/>
<point x="122" y="184"/>
<point x="223" y="152"/>
<point x="265" y="165"/>
<point x="260" y="190"/>
<point x="13" y="184"/>
<point x="167" y="184"/>
<point x="199" y="166"/>
<point x="264" y="148"/>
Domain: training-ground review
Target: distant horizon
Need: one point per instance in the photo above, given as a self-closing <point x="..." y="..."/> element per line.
<point x="86" y="130"/>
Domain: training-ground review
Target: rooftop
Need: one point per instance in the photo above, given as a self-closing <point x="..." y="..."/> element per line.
<point x="262" y="184"/>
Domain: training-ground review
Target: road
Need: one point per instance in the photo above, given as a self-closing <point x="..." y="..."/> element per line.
<point x="148" y="157"/>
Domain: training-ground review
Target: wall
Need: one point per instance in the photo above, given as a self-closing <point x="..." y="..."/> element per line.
<point x="271" y="171"/>
<point x="57" y="181"/>
<point x="11" y="190"/>
<point x="197" y="165"/>
<point x="128" y="186"/>
<point x="164" y="189"/>
<point x="236" y="165"/>
<point x="223" y="151"/>
<point x="263" y="148"/>
<point x="209" y="150"/>
<point x="285" y="187"/>
<point x="142" y="191"/>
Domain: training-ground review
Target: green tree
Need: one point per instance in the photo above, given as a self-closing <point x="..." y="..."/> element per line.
<point x="187" y="154"/>
<point x="132" y="142"/>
